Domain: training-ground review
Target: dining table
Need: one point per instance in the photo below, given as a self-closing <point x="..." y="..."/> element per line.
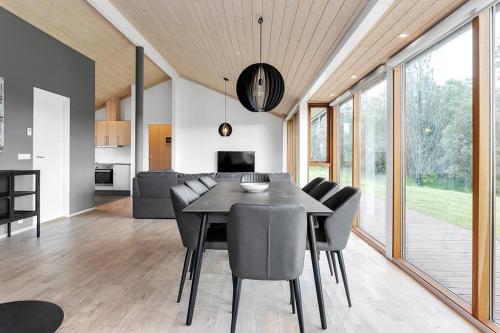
<point x="225" y="194"/>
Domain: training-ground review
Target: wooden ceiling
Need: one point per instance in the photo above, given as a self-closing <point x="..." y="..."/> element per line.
<point x="78" y="25"/>
<point x="208" y="40"/>
<point x="383" y="41"/>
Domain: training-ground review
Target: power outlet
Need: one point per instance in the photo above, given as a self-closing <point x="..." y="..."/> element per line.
<point x="20" y="222"/>
<point x="29" y="131"/>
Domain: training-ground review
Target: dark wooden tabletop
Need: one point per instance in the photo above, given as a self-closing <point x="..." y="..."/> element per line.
<point x="225" y="194"/>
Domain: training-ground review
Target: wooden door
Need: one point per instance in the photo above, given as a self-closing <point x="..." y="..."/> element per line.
<point x="112" y="133"/>
<point x="101" y="133"/>
<point x="160" y="147"/>
<point x="123" y="132"/>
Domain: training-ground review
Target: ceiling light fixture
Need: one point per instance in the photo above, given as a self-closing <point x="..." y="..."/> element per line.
<point x="353" y="77"/>
<point x="403" y="35"/>
<point x="260" y="86"/>
<point x="225" y="128"/>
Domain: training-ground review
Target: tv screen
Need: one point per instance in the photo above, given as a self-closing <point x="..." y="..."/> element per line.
<point x="235" y="161"/>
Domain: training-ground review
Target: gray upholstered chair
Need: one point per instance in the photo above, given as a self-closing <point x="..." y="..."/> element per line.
<point x="333" y="234"/>
<point x="208" y="181"/>
<point x="197" y="186"/>
<point x="323" y="191"/>
<point x="189" y="227"/>
<point x="266" y="242"/>
<point x="312" y="184"/>
<point x="254" y="178"/>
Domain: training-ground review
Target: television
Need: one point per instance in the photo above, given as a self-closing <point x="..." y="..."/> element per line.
<point x="235" y="161"/>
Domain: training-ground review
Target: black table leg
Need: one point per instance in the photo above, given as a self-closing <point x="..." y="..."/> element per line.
<point x="317" y="276"/>
<point x="197" y="267"/>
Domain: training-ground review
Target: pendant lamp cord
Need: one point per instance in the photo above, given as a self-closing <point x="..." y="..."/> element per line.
<point x="260" y="49"/>
<point x="225" y="98"/>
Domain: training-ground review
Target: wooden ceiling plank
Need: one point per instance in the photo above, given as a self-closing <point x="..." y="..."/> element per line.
<point x="321" y="48"/>
<point x="342" y="22"/>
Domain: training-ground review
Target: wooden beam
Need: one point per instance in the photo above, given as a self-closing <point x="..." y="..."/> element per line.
<point x="355" y="145"/>
<point x="397" y="202"/>
<point x="334" y="111"/>
<point x="481" y="167"/>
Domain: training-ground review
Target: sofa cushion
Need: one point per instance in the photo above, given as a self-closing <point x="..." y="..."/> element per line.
<point x="156" y="174"/>
<point x="182" y="177"/>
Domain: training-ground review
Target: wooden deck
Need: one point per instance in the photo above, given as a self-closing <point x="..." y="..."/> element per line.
<point x="440" y="249"/>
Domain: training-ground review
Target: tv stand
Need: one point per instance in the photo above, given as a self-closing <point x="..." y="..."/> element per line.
<point x="8" y="195"/>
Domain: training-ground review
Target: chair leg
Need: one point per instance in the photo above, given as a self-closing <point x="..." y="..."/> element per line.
<point x="344" y="276"/>
<point x="330" y="265"/>
<point x="184" y="272"/>
<point x="334" y="263"/>
<point x="193" y="256"/>
<point x="292" y="297"/>
<point x="298" y="301"/>
<point x="236" y="302"/>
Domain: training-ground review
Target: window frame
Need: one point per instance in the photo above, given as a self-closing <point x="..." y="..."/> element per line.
<point x="329" y="135"/>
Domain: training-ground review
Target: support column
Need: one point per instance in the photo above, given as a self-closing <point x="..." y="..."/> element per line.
<point x="139" y="106"/>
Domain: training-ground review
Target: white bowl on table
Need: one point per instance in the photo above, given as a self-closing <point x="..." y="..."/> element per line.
<point x="254" y="187"/>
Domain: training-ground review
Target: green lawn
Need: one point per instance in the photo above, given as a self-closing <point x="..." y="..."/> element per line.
<point x="446" y="205"/>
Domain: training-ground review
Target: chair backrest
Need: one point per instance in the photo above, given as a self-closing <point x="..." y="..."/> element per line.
<point x="254" y="178"/>
<point x="208" y="181"/>
<point x="197" y="186"/>
<point x="266" y="242"/>
<point x="323" y="191"/>
<point x="312" y="184"/>
<point x="338" y="226"/>
<point x="188" y="224"/>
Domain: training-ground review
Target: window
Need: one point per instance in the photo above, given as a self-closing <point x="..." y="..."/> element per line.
<point x="372" y="171"/>
<point x="345" y="142"/>
<point x="496" y="62"/>
<point x="437" y="148"/>
<point x="319" y="165"/>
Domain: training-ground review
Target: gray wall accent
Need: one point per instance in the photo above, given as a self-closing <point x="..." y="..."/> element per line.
<point x="30" y="58"/>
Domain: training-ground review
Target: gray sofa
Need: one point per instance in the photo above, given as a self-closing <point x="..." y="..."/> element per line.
<point x="151" y="190"/>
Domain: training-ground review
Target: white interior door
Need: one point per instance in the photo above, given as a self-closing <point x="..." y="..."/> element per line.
<point x="51" y="152"/>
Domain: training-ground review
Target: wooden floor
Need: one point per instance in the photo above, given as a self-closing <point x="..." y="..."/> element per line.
<point x="111" y="273"/>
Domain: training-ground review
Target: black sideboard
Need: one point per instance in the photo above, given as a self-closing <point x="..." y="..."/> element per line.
<point x="8" y="195"/>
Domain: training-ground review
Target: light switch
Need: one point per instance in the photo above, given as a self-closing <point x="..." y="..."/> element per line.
<point x="24" y="156"/>
<point x="29" y="131"/>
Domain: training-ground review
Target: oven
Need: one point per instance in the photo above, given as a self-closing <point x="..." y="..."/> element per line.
<point x="104" y="174"/>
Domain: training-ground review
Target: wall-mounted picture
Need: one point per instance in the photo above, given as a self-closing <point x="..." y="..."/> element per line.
<point x="2" y="118"/>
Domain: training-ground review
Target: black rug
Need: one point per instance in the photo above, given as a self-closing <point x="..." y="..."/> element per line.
<point x="30" y="316"/>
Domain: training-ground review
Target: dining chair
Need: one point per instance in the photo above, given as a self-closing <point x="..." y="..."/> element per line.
<point x="323" y="191"/>
<point x="266" y="242"/>
<point x="255" y="178"/>
<point x="333" y="234"/>
<point x="312" y="184"/>
<point x="189" y="226"/>
<point x="208" y="181"/>
<point x="197" y="186"/>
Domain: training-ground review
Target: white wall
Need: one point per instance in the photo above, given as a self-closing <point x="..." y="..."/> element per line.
<point x="199" y="113"/>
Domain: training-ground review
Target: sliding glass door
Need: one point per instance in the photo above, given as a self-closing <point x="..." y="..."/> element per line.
<point x="372" y="165"/>
<point x="345" y="143"/>
<point x="437" y="133"/>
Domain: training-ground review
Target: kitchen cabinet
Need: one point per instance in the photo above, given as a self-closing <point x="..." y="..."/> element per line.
<point x="112" y="133"/>
<point x="121" y="177"/>
<point x="101" y="133"/>
<point x="123" y="133"/>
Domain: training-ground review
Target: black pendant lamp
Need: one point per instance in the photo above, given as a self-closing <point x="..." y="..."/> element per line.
<point x="225" y="128"/>
<point x="260" y="86"/>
